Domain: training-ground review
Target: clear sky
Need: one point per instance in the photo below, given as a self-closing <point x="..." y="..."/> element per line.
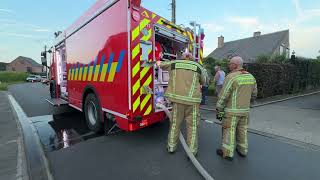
<point x="26" y="26"/>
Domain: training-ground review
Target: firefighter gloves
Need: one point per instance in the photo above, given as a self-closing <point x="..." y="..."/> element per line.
<point x="220" y="115"/>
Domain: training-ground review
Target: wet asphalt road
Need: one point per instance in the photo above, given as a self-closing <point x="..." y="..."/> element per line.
<point x="75" y="153"/>
<point x="31" y="97"/>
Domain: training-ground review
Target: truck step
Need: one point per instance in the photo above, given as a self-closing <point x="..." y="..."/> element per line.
<point x="57" y="102"/>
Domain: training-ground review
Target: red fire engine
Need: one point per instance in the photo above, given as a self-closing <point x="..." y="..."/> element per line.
<point x="100" y="65"/>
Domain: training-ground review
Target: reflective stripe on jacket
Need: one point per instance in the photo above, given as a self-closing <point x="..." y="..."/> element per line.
<point x="238" y="89"/>
<point x="185" y="79"/>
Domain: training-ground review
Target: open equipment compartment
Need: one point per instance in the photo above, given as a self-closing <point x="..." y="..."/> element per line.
<point x="171" y="45"/>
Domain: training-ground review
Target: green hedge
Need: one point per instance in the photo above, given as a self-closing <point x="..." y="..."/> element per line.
<point x="9" y="77"/>
<point x="308" y="72"/>
<point x="285" y="78"/>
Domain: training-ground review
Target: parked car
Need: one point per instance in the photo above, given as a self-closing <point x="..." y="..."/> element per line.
<point x="45" y="81"/>
<point x="33" y="78"/>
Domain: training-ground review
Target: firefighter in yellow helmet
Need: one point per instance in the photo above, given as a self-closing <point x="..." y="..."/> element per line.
<point x="184" y="92"/>
<point x="233" y="107"/>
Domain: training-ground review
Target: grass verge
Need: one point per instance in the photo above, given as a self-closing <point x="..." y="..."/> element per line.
<point x="3" y="86"/>
<point x="9" y="78"/>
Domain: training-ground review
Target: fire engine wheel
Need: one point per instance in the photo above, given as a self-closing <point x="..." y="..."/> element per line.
<point x="93" y="113"/>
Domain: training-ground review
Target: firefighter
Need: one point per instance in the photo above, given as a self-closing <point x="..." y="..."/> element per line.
<point x="233" y="107"/>
<point x="184" y="92"/>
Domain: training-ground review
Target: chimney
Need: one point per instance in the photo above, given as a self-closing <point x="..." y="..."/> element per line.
<point x="257" y="34"/>
<point x="220" y="41"/>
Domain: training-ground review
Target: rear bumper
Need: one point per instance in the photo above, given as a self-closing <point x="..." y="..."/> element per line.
<point x="146" y="121"/>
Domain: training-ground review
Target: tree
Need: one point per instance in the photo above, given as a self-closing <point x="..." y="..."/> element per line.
<point x="209" y="64"/>
<point x="280" y="59"/>
<point x="263" y="58"/>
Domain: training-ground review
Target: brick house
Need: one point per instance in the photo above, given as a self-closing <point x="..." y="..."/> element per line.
<point x="3" y="66"/>
<point x="24" y="64"/>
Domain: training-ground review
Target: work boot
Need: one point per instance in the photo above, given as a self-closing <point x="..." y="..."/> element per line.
<point x="240" y="154"/>
<point x="171" y="150"/>
<point x="220" y="153"/>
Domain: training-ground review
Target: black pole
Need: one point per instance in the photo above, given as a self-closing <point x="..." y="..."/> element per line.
<point x="45" y="50"/>
<point x="173" y="7"/>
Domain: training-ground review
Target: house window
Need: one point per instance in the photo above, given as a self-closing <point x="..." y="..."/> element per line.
<point x="13" y="69"/>
<point x="29" y="69"/>
<point x="282" y="49"/>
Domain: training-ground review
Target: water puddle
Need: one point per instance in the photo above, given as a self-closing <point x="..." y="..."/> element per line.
<point x="62" y="131"/>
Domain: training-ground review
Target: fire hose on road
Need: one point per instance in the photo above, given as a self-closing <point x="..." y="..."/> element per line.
<point x="194" y="161"/>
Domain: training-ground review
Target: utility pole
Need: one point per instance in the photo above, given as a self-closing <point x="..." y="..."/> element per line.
<point x="45" y="50"/>
<point x="173" y="8"/>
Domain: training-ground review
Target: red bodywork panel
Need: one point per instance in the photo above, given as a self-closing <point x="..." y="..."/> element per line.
<point x="102" y="53"/>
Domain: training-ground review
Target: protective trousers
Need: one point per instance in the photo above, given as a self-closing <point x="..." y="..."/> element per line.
<point x="234" y="127"/>
<point x="191" y="114"/>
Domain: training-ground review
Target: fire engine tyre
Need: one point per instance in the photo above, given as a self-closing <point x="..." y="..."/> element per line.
<point x="53" y="89"/>
<point x="93" y="113"/>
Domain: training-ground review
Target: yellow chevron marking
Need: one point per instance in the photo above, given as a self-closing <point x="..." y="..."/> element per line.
<point x="72" y="71"/>
<point x="69" y="74"/>
<point x="190" y="36"/>
<point x="144" y="72"/>
<point x="146" y="38"/>
<point x="76" y="75"/>
<point x="80" y="74"/>
<point x="85" y="73"/>
<point x="160" y="21"/>
<point x="147" y="83"/>
<point x="135" y="69"/>
<point x="171" y="25"/>
<point x="96" y="73"/>
<point x="135" y="51"/>
<point x="135" y="33"/>
<point x="103" y="72"/>
<point x="148" y="111"/>
<point x="153" y="15"/>
<point x="144" y="23"/>
<point x="90" y="73"/>
<point x="190" y="48"/>
<point x="112" y="71"/>
<point x="136" y="104"/>
<point x="145" y="101"/>
<point x="145" y="14"/>
<point x="135" y="87"/>
<point x="185" y="33"/>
